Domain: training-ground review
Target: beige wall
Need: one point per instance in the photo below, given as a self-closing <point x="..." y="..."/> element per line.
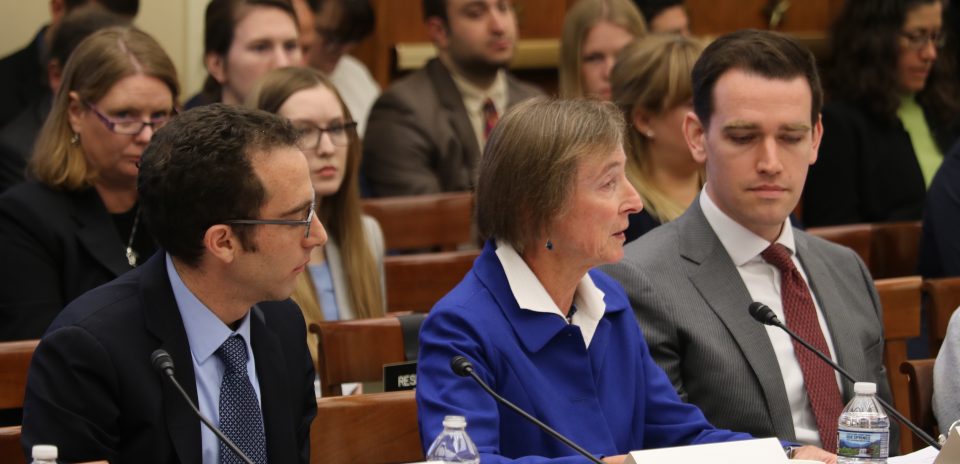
<point x="176" y="24"/>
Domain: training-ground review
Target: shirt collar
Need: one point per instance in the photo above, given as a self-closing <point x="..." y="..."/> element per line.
<point x="530" y="294"/>
<point x="205" y="331"/>
<point x="742" y="244"/>
<point x="473" y="96"/>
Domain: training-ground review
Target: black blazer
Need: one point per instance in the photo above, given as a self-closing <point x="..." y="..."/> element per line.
<point x="93" y="392"/>
<point x="866" y="170"/>
<point x="17" y="139"/>
<point x="55" y="246"/>
<point x="22" y="78"/>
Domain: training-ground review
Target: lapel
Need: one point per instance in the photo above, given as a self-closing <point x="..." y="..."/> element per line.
<point x="452" y="102"/>
<point x="271" y="375"/>
<point x="163" y="320"/>
<point x="717" y="280"/>
<point x="96" y="233"/>
<point x="825" y="290"/>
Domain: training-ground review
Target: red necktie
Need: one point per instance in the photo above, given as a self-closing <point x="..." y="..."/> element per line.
<point x="801" y="316"/>
<point x="490" y="117"/>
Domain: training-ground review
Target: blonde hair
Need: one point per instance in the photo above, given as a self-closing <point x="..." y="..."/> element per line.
<point x="652" y="75"/>
<point x="340" y="213"/>
<point x="578" y="22"/>
<point x="529" y="165"/>
<point x="95" y="66"/>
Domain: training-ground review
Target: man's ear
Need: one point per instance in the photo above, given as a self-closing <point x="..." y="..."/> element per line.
<point x="695" y="134"/>
<point x="438" y="32"/>
<point x="216" y="65"/>
<point x="817" y="138"/>
<point x="221" y="243"/>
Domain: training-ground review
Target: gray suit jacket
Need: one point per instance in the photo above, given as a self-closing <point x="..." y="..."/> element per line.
<point x="692" y="307"/>
<point x="419" y="139"/>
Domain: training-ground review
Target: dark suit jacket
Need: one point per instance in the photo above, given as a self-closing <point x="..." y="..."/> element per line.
<point x="940" y="243"/>
<point x="866" y="170"/>
<point x="55" y="246"/>
<point x="22" y="78"/>
<point x="17" y="139"/>
<point x="419" y="139"/>
<point x="692" y="307"/>
<point x="93" y="392"/>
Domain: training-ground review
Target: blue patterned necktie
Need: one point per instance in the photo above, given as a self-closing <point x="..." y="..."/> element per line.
<point x="240" y="417"/>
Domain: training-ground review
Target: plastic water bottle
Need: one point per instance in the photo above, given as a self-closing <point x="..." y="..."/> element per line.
<point x="863" y="432"/>
<point x="44" y="454"/>
<point x="453" y="444"/>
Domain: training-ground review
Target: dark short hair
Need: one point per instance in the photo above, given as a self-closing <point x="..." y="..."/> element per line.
<point x="120" y="7"/>
<point x="76" y="26"/>
<point x="768" y="54"/>
<point x="198" y="172"/>
<point x="356" y="21"/>
<point x="435" y="8"/>
<point x="652" y="8"/>
<point x="864" y="40"/>
<point x="219" y="22"/>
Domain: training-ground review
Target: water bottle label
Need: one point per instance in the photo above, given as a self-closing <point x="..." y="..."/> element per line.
<point x="861" y="444"/>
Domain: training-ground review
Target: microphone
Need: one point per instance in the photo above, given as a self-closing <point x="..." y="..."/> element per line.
<point x="163" y="363"/>
<point x="463" y="367"/>
<point x="763" y="314"/>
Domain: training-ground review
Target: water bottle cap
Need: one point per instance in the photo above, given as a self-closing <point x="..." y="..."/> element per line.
<point x="865" y="388"/>
<point x="455" y="422"/>
<point x="46" y="452"/>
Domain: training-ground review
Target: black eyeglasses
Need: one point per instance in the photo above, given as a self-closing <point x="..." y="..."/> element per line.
<point x="310" y="135"/>
<point x="280" y="222"/>
<point x="916" y="40"/>
<point x="128" y="126"/>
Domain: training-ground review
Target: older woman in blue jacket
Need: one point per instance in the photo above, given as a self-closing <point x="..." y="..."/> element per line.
<point x="540" y="325"/>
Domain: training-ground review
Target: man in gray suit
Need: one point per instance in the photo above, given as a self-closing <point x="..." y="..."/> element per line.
<point x="426" y="132"/>
<point x="756" y="125"/>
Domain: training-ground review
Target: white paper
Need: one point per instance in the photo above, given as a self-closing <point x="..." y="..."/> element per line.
<point x="924" y="456"/>
<point x="760" y="451"/>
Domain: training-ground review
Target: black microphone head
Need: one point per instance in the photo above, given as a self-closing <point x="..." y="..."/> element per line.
<point x="162" y="362"/>
<point x="461" y="366"/>
<point x="763" y="314"/>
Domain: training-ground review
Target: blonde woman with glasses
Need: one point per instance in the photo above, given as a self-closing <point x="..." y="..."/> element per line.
<point x="344" y="279"/>
<point x="76" y="224"/>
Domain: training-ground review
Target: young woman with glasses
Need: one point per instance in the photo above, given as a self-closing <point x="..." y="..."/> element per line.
<point x="892" y="113"/>
<point x="76" y="225"/>
<point x="344" y="279"/>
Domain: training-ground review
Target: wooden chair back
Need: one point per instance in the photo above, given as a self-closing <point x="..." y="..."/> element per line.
<point x="14" y="363"/>
<point x="900" y="299"/>
<point x="437" y="222"/>
<point x="854" y="236"/>
<point x="895" y="249"/>
<point x="10" y="450"/>
<point x="356" y="350"/>
<point x="376" y="428"/>
<point x="942" y="298"/>
<point x="416" y="282"/>
<point x="920" y="381"/>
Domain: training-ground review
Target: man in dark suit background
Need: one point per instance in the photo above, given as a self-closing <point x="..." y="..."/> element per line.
<point x="756" y="125"/>
<point x="229" y="198"/>
<point x="23" y="72"/>
<point x="426" y="132"/>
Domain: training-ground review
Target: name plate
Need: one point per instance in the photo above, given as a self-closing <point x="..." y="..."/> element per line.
<point x="760" y="451"/>
<point x="400" y="376"/>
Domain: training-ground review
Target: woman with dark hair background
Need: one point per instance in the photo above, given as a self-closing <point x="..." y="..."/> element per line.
<point x="892" y="113"/>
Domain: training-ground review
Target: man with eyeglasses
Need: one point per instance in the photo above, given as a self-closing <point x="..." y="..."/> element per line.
<point x="228" y="195"/>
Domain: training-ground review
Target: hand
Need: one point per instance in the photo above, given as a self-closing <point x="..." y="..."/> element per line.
<point x="815" y="454"/>
<point x="615" y="459"/>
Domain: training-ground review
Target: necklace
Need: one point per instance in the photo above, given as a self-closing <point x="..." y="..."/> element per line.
<point x="132" y="255"/>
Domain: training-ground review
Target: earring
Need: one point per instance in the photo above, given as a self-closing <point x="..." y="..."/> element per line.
<point x="75" y="139"/>
<point x="649" y="134"/>
<point x="549" y="245"/>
